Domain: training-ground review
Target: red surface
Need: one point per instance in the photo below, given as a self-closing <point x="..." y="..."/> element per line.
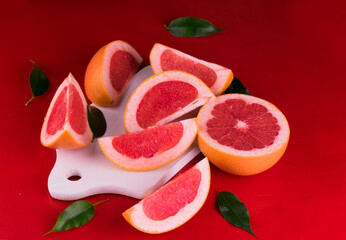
<point x="291" y="53"/>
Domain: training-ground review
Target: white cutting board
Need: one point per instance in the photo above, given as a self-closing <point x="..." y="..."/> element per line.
<point x="97" y="174"/>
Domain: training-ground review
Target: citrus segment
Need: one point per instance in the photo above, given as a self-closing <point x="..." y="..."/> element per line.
<point x="109" y="72"/>
<point x="173" y="204"/>
<point x="216" y="77"/>
<point x="163" y="98"/>
<point x="150" y="148"/>
<point x="242" y="134"/>
<point x="66" y="124"/>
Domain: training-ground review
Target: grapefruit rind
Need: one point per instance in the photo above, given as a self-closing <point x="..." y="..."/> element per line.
<point x="97" y="84"/>
<point x="224" y="75"/>
<point x="66" y="137"/>
<point x="138" y="219"/>
<point x="241" y="162"/>
<point x="204" y="95"/>
<point x="159" y="159"/>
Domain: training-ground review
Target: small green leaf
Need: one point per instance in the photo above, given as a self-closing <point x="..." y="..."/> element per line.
<point x="234" y="211"/>
<point x="237" y="87"/>
<point x="191" y="27"/>
<point x="77" y="214"/>
<point x="39" y="82"/>
<point x="96" y="121"/>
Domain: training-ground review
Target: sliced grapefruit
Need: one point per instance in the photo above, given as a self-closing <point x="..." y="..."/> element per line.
<point x="150" y="148"/>
<point x="173" y="204"/>
<point x="109" y="72"/>
<point x="163" y="98"/>
<point x="242" y="134"/>
<point x="216" y="77"/>
<point x="66" y="124"/>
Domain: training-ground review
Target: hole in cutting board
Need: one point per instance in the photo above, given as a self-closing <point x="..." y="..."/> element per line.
<point x="73" y="175"/>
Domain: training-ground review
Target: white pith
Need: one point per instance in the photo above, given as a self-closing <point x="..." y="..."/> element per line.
<point x="222" y="73"/>
<point x="111" y="49"/>
<point x="204" y="95"/>
<point x="205" y="114"/>
<point x="143" y="223"/>
<point x="159" y="159"/>
<point x="81" y="138"/>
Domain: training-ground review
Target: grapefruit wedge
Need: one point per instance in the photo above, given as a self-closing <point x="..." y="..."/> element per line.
<point x="150" y="148"/>
<point x="216" y="77"/>
<point x="109" y="72"/>
<point x="173" y="204"/>
<point x="66" y="124"/>
<point x="163" y="98"/>
<point x="242" y="134"/>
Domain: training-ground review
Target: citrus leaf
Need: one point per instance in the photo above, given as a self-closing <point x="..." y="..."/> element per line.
<point x="96" y="121"/>
<point x="234" y="211"/>
<point x="39" y="82"/>
<point x="237" y="87"/>
<point x="191" y="27"/>
<point x="77" y="214"/>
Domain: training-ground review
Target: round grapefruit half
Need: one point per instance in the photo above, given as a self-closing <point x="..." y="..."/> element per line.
<point x="150" y="148"/>
<point x="164" y="97"/>
<point x="173" y="204"/>
<point x="242" y="134"/>
<point x="66" y="124"/>
<point x="216" y="77"/>
<point x="109" y="72"/>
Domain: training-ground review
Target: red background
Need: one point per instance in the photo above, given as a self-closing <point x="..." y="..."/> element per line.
<point x="291" y="53"/>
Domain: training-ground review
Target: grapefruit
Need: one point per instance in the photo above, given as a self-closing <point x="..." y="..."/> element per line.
<point x="173" y="204"/>
<point x="216" y="77"/>
<point x="150" y="148"/>
<point x="163" y="98"/>
<point x="109" y="72"/>
<point x="66" y="124"/>
<point x="242" y="134"/>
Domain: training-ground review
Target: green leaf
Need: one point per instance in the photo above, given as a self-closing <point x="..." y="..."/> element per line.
<point x="191" y="27"/>
<point x="39" y="82"/>
<point x="96" y="121"/>
<point x="237" y="87"/>
<point x="234" y="211"/>
<point x="77" y="214"/>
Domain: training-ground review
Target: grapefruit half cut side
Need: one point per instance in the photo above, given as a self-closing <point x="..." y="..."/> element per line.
<point x="173" y="204"/>
<point x="242" y="134"/>
<point x="66" y="124"/>
<point x="216" y="77"/>
<point x="150" y="148"/>
<point x="109" y="72"/>
<point x="164" y="97"/>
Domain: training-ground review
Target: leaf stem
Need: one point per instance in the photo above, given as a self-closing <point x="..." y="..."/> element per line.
<point x="47" y="233"/>
<point x="27" y="103"/>
<point x="101" y="202"/>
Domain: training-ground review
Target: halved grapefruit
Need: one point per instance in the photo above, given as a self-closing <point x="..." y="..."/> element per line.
<point x="109" y="72"/>
<point x="242" y="134"/>
<point x="66" y="124"/>
<point x="173" y="204"/>
<point x="216" y="77"/>
<point x="163" y="98"/>
<point x="150" y="148"/>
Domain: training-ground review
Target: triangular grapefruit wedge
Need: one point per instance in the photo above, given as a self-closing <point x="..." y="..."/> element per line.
<point x="66" y="124"/>
<point x="109" y="72"/>
<point x="242" y="134"/>
<point x="216" y="77"/>
<point x="164" y="97"/>
<point x="150" y="148"/>
<point x="173" y="204"/>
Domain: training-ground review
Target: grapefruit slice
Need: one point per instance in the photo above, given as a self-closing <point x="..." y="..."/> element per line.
<point x="66" y="124"/>
<point x="242" y="134"/>
<point x="150" y="148"/>
<point x="173" y="204"/>
<point x="163" y="98"/>
<point x="216" y="77"/>
<point x="109" y="72"/>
